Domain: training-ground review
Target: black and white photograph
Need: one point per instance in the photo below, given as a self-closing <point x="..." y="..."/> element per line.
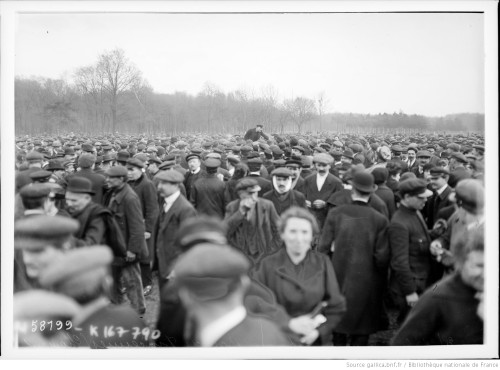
<point x="250" y="180"/>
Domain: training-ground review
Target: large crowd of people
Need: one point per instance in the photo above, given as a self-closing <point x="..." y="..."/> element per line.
<point x="255" y="239"/>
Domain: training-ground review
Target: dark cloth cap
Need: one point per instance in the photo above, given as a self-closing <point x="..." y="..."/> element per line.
<point x="34" y="156"/>
<point x="98" y="159"/>
<point x="33" y="191"/>
<point x="380" y="175"/>
<point x="298" y="147"/>
<point x="233" y="160"/>
<point x="348" y="153"/>
<point x="79" y="184"/>
<point x="192" y="155"/>
<point x="117" y="171"/>
<point x="69" y="151"/>
<point x="470" y="192"/>
<point x="197" y="150"/>
<point x="135" y="162"/>
<point x="356" y="147"/>
<point x="363" y="181"/>
<point x="78" y="270"/>
<point x="86" y="160"/>
<point x="306" y="161"/>
<point x="166" y="165"/>
<point x="281" y="172"/>
<point x="200" y="229"/>
<point x="245" y="149"/>
<point x="294" y="161"/>
<point x="87" y="147"/>
<point x="247" y="183"/>
<point x="414" y="187"/>
<point x="209" y="271"/>
<point x="122" y="156"/>
<point x="453" y="146"/>
<point x="397" y="148"/>
<point x="173" y="177"/>
<point x="144" y="158"/>
<point x="41" y="175"/>
<point x="212" y="163"/>
<point x="424" y="153"/>
<point x="459" y="157"/>
<point x="155" y="160"/>
<point x="39" y="231"/>
<point x="279" y="163"/>
<point x="107" y="158"/>
<point x="480" y="147"/>
<point x="439" y="171"/>
<point x="253" y="154"/>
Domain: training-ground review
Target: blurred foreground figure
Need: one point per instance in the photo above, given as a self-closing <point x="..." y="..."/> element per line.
<point x="451" y="312"/>
<point x="41" y="318"/>
<point x="212" y="283"/>
<point x="83" y="275"/>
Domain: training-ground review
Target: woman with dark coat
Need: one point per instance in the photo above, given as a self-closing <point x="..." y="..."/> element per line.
<point x="302" y="280"/>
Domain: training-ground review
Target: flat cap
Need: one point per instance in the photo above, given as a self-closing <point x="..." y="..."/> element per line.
<point x="33" y="191"/>
<point x="453" y="146"/>
<point x="479" y="147"/>
<point x="87" y="147"/>
<point x="122" y="156"/>
<point x="233" y="160"/>
<point x="173" y="177"/>
<point x="245" y="149"/>
<point x="380" y="175"/>
<point x="135" y="162"/>
<point x="209" y="271"/>
<point x="154" y="160"/>
<point x="165" y="165"/>
<point x="294" y="162"/>
<point x="281" y="172"/>
<point x="248" y="184"/>
<point x="414" y="187"/>
<point x="338" y="144"/>
<point x="212" y="163"/>
<point x="439" y="171"/>
<point x="40" y="176"/>
<point x="192" y="155"/>
<point x="306" y="161"/>
<point x="471" y="193"/>
<point x="86" y="160"/>
<point x="397" y="148"/>
<point x="459" y="157"/>
<point x="215" y="155"/>
<point x="69" y="151"/>
<point x="298" y="147"/>
<point x="34" y="156"/>
<point x="116" y="171"/>
<point x="107" y="158"/>
<point x="78" y="270"/>
<point x="323" y="158"/>
<point x="424" y="154"/>
<point x="39" y="231"/>
<point x="348" y="154"/>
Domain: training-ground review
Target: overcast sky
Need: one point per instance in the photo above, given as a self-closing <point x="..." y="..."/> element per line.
<point x="419" y="63"/>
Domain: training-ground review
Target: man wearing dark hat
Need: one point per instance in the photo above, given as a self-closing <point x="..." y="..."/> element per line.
<point x="294" y="165"/>
<point x="254" y="134"/>
<point x="195" y="172"/>
<point x="397" y="150"/>
<point x="254" y="166"/>
<point x="41" y="176"/>
<point x="40" y="240"/>
<point x="146" y="192"/>
<point x="353" y="251"/>
<point x="319" y="187"/>
<point x="252" y="222"/>
<point x="207" y="193"/>
<point x="212" y="283"/>
<point x="380" y="176"/>
<point x="83" y="275"/>
<point x="125" y="206"/>
<point x="175" y="209"/>
<point x="122" y="157"/>
<point x="423" y="158"/>
<point x="35" y="161"/>
<point x="86" y="163"/>
<point x="58" y="173"/>
<point x="438" y="182"/>
<point x="282" y="195"/>
<point x="409" y="241"/>
<point x="153" y="169"/>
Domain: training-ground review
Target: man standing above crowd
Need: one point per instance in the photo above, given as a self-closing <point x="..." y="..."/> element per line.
<point x="256" y="133"/>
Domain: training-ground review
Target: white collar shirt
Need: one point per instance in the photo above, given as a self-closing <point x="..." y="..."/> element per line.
<point x="320" y="180"/>
<point x="170" y="200"/>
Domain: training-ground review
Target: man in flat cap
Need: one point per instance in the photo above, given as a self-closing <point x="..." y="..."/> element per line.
<point x="294" y="165"/>
<point x="207" y="193"/>
<point x="252" y="222"/>
<point x="35" y="161"/>
<point x="83" y="275"/>
<point x="254" y="134"/>
<point x="353" y="251"/>
<point x="423" y="158"/>
<point x="146" y="192"/>
<point x="125" y="206"/>
<point x="254" y="167"/>
<point x="39" y="240"/>
<point x="319" y="187"/>
<point x="212" y="283"/>
<point x="175" y="209"/>
<point x="86" y="163"/>
<point x="409" y="241"/>
<point x="282" y="195"/>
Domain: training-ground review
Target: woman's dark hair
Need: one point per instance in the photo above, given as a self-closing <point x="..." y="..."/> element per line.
<point x="297" y="212"/>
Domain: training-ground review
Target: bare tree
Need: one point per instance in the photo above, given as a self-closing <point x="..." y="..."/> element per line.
<point x="322" y="107"/>
<point x="301" y="110"/>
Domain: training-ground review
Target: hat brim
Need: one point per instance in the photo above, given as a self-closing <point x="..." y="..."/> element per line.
<point x="80" y="191"/>
<point x="364" y="189"/>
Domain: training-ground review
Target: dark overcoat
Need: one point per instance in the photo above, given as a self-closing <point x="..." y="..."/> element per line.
<point x="165" y="233"/>
<point x="293" y="198"/>
<point x="344" y="196"/>
<point x="265" y="185"/>
<point x="208" y="196"/>
<point x="92" y="226"/>
<point x="255" y="241"/>
<point x="445" y="314"/>
<point x="300" y="288"/>
<point x="332" y="184"/>
<point x="387" y="196"/>
<point x="360" y="261"/>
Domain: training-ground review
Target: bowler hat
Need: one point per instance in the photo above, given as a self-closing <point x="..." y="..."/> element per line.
<point x="78" y="184"/>
<point x="363" y="181"/>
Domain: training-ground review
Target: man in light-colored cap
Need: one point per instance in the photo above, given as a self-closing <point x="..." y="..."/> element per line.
<point x="252" y="222"/>
<point x="212" y="281"/>
<point x="83" y="275"/>
<point x="175" y="208"/>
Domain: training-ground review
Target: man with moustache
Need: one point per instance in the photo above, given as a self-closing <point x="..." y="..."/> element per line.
<point x="282" y="195"/>
<point x="195" y="172"/>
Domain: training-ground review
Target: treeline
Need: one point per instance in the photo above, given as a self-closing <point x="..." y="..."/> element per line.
<point x="112" y="96"/>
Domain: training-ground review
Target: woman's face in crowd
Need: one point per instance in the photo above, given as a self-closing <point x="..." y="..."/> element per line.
<point x="298" y="236"/>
